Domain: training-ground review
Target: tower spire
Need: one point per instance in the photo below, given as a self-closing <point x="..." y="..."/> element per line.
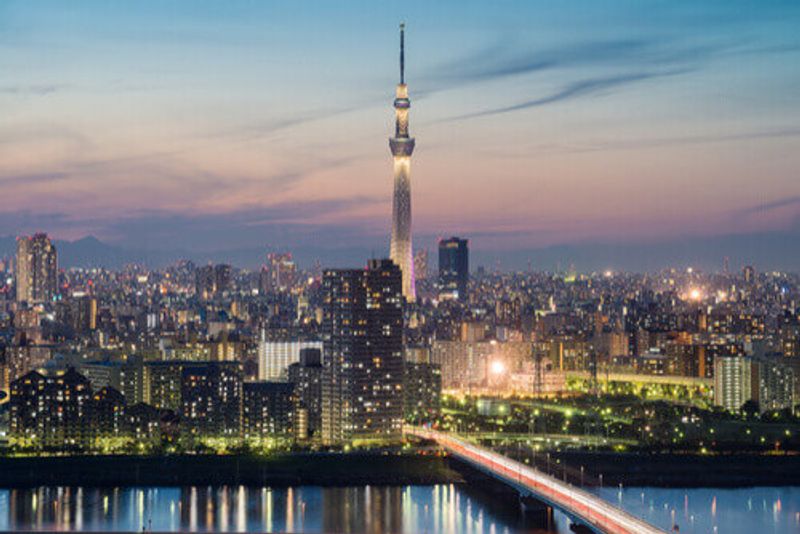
<point x="402" y="146"/>
<point x="402" y="52"/>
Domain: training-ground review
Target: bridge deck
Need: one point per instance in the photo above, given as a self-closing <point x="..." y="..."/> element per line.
<point x="582" y="506"/>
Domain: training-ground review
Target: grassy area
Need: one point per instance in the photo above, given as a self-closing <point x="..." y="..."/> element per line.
<point x="619" y="421"/>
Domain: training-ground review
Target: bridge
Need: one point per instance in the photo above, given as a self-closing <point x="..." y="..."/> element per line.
<point x="580" y="506"/>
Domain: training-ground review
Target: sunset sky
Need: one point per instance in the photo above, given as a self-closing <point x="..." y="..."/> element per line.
<point x="208" y="125"/>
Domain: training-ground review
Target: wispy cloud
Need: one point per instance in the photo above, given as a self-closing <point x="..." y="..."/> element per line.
<point x="34" y="89"/>
<point x="770" y="206"/>
<point x="569" y="91"/>
<point x="33" y="178"/>
<point x="500" y="61"/>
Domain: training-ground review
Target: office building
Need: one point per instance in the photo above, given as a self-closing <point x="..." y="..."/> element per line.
<point x="212" y="281"/>
<point x="37" y="269"/>
<point x="279" y="274"/>
<point x="421" y="264"/>
<point x="453" y="268"/>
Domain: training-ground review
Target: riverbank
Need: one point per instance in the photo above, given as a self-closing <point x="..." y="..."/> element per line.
<point x="319" y="469"/>
<point x="393" y="469"/>
<point x="680" y="470"/>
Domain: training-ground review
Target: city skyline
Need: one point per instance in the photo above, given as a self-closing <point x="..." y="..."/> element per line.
<point x="152" y="152"/>
<point x="217" y="314"/>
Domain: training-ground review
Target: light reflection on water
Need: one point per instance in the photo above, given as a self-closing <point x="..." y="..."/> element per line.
<point x="441" y="508"/>
<point x="774" y="510"/>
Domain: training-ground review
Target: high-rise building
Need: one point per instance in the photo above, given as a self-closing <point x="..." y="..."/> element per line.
<point x="162" y="384"/>
<point x="212" y="281"/>
<point x="279" y="274"/>
<point x="268" y="409"/>
<point x="83" y="314"/>
<point x="453" y="268"/>
<point x="125" y="376"/>
<point x="402" y="147"/>
<point x="53" y="409"/>
<point x="776" y="382"/>
<point x="37" y="269"/>
<point x="5" y="376"/>
<point x="306" y="375"/>
<point x="108" y="412"/>
<point x="362" y="390"/>
<point x="765" y="379"/>
<point x="422" y="385"/>
<point x="421" y="264"/>
<point x="274" y="357"/>
<point x="749" y="274"/>
<point x="211" y="398"/>
<point x="142" y="422"/>
<point x="735" y="381"/>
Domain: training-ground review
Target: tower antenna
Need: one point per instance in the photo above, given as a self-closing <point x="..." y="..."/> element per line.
<point x="402" y="52"/>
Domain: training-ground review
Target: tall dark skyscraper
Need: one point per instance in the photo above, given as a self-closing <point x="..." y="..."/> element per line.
<point x="402" y="146"/>
<point x="37" y="269"/>
<point x="362" y="397"/>
<point x="453" y="268"/>
<point x="212" y="281"/>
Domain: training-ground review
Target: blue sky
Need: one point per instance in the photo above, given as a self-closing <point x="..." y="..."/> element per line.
<point x="214" y="124"/>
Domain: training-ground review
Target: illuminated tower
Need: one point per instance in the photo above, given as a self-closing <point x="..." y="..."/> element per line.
<point x="402" y="147"/>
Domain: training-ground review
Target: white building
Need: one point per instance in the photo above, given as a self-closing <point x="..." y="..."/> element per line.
<point x="765" y="379"/>
<point x="733" y="382"/>
<point x="275" y="357"/>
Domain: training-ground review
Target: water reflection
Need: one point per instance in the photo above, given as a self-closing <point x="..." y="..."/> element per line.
<point x="743" y="510"/>
<point x="368" y="509"/>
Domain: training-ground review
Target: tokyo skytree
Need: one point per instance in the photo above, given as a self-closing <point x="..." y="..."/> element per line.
<point x="402" y="147"/>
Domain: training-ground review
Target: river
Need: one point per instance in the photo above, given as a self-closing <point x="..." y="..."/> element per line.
<point x="412" y="509"/>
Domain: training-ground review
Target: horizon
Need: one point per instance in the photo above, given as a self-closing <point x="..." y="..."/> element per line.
<point x="115" y="128"/>
<point x="616" y="257"/>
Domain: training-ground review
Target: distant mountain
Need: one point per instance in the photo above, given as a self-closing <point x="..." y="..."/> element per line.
<point x="91" y="252"/>
<point x="770" y="250"/>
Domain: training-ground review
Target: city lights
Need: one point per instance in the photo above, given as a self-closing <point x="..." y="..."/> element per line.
<point x="498" y="367"/>
<point x="592" y="312"/>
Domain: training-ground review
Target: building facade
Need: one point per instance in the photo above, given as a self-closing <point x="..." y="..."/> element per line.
<point x="453" y="268"/>
<point x="269" y="409"/>
<point x="363" y="353"/>
<point x="275" y="357"/>
<point x="52" y="410"/>
<point x="212" y="399"/>
<point x="37" y="269"/>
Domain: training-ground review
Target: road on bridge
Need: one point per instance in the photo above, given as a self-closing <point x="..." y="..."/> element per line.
<point x="583" y="507"/>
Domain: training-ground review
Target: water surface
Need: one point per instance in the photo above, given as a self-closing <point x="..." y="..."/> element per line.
<point x="408" y="509"/>
<point x="761" y="510"/>
<point x="411" y="509"/>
